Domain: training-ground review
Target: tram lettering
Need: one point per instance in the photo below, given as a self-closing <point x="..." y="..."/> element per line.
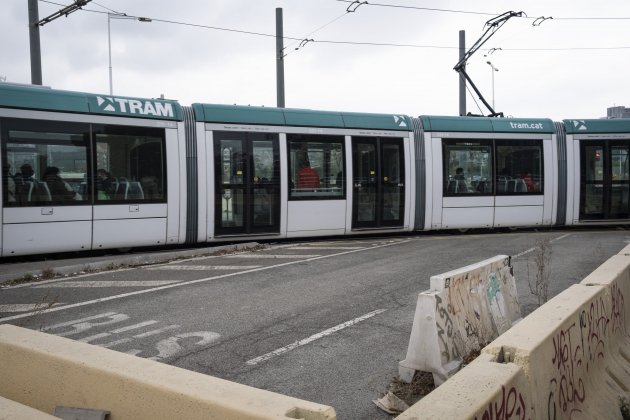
<point x="135" y="106"/>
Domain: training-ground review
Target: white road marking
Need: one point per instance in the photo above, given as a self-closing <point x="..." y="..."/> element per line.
<point x="26" y="307"/>
<point x="158" y="331"/>
<point x="170" y="347"/>
<point x="527" y="251"/>
<point x="312" y="338"/>
<point x="108" y="283"/>
<point x="190" y="282"/>
<point x="84" y="324"/>
<point x="271" y="256"/>
<point x="118" y="331"/>
<point x="315" y="247"/>
<point x="203" y="267"/>
<point x="143" y="335"/>
<point x="133" y="327"/>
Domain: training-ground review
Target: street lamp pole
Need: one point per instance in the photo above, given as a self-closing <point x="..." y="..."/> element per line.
<point x="492" y="71"/>
<point x="109" y="45"/>
<point x="111" y="16"/>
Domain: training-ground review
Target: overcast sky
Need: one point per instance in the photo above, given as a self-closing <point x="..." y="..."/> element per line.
<point x="564" y="68"/>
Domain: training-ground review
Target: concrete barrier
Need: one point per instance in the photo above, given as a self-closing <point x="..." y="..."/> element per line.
<point x="573" y="354"/>
<point x="464" y="310"/>
<point x="43" y="371"/>
<point x="11" y="410"/>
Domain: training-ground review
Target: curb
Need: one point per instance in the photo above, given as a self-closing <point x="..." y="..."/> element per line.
<point x="125" y="260"/>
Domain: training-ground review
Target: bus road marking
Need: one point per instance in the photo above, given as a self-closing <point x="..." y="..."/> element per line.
<point x="312" y="338"/>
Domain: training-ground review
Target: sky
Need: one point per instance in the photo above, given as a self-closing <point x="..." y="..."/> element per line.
<point x="572" y="66"/>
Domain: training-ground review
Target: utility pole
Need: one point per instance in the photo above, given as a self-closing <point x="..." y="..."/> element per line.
<point x="33" y="25"/>
<point x="33" y="32"/>
<point x="279" y="58"/>
<point x="462" y="79"/>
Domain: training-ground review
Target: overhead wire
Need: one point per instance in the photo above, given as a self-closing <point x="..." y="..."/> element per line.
<point x="341" y="42"/>
<point x="431" y="9"/>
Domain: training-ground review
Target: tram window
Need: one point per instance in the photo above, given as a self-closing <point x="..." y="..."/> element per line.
<point x="519" y="167"/>
<point x="130" y="165"/>
<point x="44" y="168"/>
<point x="316" y="167"/>
<point x="467" y="166"/>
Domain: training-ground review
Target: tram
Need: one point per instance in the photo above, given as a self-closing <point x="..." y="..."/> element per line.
<point x="85" y="172"/>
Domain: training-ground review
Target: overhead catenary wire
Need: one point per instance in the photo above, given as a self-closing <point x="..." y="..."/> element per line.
<point x="471" y="12"/>
<point x="342" y="42"/>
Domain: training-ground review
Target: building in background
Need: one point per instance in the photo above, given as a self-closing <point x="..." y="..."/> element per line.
<point x="617" y="112"/>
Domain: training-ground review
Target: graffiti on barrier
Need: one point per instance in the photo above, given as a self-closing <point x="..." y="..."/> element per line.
<point x="578" y="347"/>
<point x="511" y="405"/>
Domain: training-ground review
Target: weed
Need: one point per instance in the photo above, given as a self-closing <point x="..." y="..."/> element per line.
<point x="539" y="287"/>
<point x="46" y="302"/>
<point x="48" y="273"/>
<point x="26" y="278"/>
<point x="624" y="406"/>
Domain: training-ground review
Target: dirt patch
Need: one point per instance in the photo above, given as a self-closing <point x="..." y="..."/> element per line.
<point x="420" y="386"/>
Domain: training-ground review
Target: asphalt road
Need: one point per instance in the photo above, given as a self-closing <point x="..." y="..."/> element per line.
<point x="323" y="320"/>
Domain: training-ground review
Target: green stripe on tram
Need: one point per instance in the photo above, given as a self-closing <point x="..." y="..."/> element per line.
<point x="621" y="125"/>
<point x="254" y="115"/>
<point x="487" y="125"/>
<point x="45" y="99"/>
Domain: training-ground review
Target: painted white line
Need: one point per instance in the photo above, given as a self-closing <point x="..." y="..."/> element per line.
<point x="26" y="307"/>
<point x="312" y="338"/>
<point x="560" y="237"/>
<point x="107" y="283"/>
<point x="203" y="267"/>
<point x="187" y="283"/>
<point x="527" y="251"/>
<point x="273" y="256"/>
<point x="317" y="248"/>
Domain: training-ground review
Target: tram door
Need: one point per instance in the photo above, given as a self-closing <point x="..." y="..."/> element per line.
<point x="378" y="180"/>
<point x="247" y="183"/>
<point x="605" y="180"/>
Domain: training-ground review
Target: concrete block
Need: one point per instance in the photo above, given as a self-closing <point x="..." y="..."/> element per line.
<point x="574" y="352"/>
<point x="465" y="309"/>
<point x="35" y="365"/>
<point x="482" y="390"/>
<point x="11" y="410"/>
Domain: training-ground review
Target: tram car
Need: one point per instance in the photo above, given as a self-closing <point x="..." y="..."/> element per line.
<point x="83" y="171"/>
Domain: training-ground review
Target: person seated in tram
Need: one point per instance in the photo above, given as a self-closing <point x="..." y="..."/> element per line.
<point x="527" y="177"/>
<point x="460" y="179"/>
<point x="307" y="177"/>
<point x="105" y="184"/>
<point x="23" y="181"/>
<point x="59" y="189"/>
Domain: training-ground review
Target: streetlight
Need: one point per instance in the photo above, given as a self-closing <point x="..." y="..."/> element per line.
<point x="111" y="16"/>
<point x="492" y="71"/>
